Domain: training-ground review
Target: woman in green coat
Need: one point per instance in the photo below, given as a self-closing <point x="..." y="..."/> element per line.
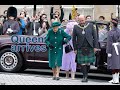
<point x="55" y="40"/>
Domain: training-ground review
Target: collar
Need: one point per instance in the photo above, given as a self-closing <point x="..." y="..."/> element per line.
<point x="85" y="26"/>
<point x="57" y="31"/>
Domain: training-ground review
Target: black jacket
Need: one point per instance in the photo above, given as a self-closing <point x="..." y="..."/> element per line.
<point x="90" y="34"/>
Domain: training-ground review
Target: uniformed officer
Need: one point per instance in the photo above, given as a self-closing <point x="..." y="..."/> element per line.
<point x="113" y="51"/>
<point x="55" y="40"/>
<point x="11" y="26"/>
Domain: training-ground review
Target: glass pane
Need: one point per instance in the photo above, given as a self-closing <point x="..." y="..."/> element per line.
<point x="28" y="8"/>
<point x="84" y="6"/>
<point x="30" y="11"/>
<point x="67" y="6"/>
<point x="67" y="11"/>
<point x="78" y="6"/>
<point x="39" y="6"/>
<point x="88" y="11"/>
<point x="22" y="6"/>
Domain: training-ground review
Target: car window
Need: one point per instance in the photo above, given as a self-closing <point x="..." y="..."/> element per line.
<point x="102" y="32"/>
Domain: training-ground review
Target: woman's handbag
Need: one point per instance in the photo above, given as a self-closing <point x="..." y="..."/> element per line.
<point x="68" y="48"/>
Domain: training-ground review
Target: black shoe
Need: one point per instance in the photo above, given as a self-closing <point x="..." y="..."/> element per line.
<point x="84" y="80"/>
<point x="115" y="83"/>
<point x="54" y="78"/>
<point x="57" y="78"/>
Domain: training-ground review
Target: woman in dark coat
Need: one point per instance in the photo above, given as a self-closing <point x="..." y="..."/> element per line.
<point x="55" y="40"/>
<point x="113" y="51"/>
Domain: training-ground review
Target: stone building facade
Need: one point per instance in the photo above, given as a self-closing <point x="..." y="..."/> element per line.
<point x="94" y="10"/>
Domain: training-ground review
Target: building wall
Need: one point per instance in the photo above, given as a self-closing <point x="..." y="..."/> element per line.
<point x="99" y="10"/>
<point x="104" y="10"/>
<point x="3" y="7"/>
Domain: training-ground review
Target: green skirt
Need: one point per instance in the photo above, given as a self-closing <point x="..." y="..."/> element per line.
<point x="81" y="59"/>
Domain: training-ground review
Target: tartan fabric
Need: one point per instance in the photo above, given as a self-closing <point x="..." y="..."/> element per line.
<point x="81" y="59"/>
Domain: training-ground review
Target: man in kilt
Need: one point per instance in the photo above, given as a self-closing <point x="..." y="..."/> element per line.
<point x="85" y="45"/>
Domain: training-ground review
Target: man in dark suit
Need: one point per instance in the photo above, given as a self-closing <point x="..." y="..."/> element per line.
<point x="85" y="44"/>
<point x="33" y="27"/>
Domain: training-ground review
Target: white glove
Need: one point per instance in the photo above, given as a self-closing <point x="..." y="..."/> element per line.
<point x="9" y="30"/>
<point x="109" y="55"/>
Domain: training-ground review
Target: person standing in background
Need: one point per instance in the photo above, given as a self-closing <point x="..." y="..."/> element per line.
<point x="5" y="16"/>
<point x="11" y="26"/>
<point x="113" y="51"/>
<point x="101" y="18"/>
<point x="88" y="18"/>
<point x="22" y="23"/>
<point x="68" y="59"/>
<point x="56" y="16"/>
<point x="43" y="18"/>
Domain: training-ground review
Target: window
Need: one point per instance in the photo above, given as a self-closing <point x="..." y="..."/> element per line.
<point x="82" y="9"/>
<point x="39" y="8"/>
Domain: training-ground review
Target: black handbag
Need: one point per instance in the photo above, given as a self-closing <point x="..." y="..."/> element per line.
<point x="85" y="51"/>
<point x="68" y="48"/>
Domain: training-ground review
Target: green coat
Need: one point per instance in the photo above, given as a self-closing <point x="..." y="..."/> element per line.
<point x="56" y="39"/>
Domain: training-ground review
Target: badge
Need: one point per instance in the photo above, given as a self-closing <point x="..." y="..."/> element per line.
<point x="83" y="32"/>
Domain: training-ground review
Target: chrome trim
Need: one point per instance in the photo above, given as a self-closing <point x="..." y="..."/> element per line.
<point x="38" y="61"/>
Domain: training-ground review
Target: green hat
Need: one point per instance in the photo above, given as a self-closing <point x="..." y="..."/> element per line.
<point x="54" y="24"/>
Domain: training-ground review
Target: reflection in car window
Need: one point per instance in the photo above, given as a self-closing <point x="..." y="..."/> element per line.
<point x="103" y="32"/>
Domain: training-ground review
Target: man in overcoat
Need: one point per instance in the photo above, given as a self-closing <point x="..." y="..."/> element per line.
<point x="55" y="39"/>
<point x="85" y="45"/>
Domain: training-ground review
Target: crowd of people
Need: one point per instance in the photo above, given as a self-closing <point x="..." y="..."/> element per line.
<point x="76" y="32"/>
<point x="38" y="23"/>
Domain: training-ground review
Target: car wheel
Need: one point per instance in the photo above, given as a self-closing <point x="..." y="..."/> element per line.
<point x="10" y="61"/>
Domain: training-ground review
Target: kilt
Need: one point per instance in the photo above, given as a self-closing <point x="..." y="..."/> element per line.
<point x="81" y="59"/>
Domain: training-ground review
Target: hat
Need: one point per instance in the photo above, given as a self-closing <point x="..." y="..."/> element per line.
<point x="54" y="24"/>
<point x="12" y="11"/>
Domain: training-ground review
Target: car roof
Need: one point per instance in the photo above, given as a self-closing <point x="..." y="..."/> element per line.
<point x="100" y="22"/>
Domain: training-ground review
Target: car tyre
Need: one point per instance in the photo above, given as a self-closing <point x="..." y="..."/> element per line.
<point x="10" y="61"/>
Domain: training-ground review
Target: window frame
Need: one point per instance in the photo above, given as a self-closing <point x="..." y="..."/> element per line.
<point x="81" y="7"/>
<point x="116" y="6"/>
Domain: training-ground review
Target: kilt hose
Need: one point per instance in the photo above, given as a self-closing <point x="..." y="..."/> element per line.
<point x="81" y="59"/>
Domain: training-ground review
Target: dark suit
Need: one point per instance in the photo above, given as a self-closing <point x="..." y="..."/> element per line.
<point x="90" y="34"/>
<point x="81" y="43"/>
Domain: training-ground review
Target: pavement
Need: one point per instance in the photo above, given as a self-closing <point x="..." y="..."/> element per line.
<point x="31" y="79"/>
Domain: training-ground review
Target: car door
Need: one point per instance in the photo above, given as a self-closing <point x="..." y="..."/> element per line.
<point x="41" y="55"/>
<point x="30" y="55"/>
<point x="102" y="40"/>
